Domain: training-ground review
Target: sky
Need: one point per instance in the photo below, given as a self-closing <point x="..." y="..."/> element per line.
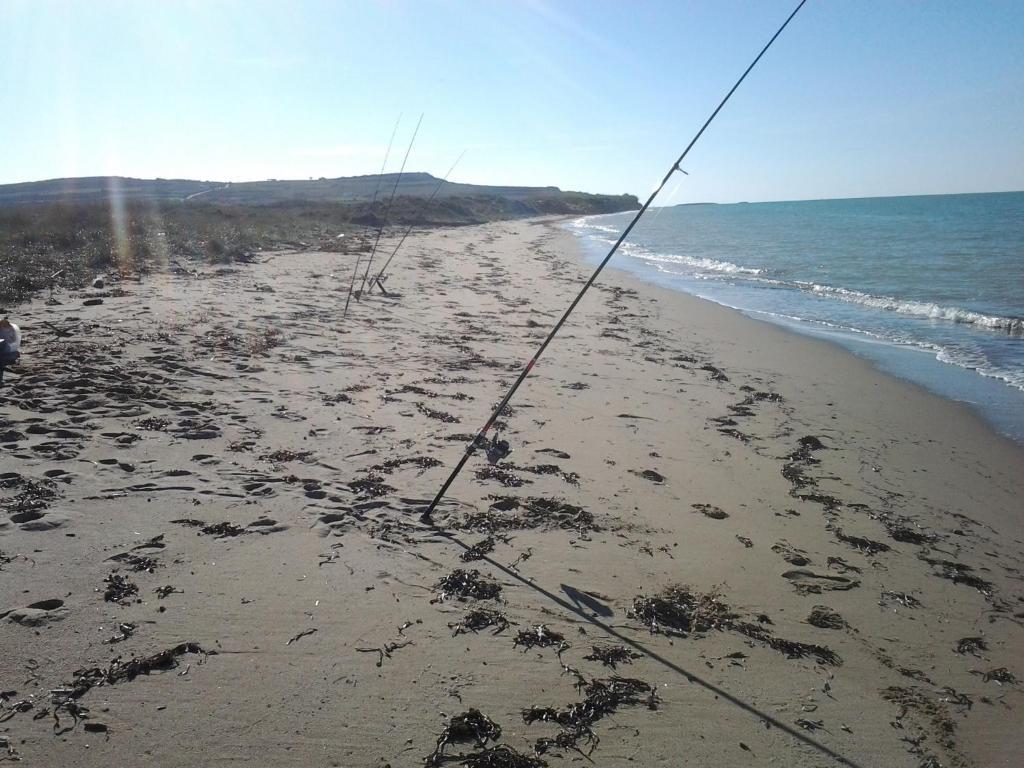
<point x="857" y="97"/>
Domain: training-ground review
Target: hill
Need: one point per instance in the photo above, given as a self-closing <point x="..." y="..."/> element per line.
<point x="273" y="192"/>
<point x="64" y="231"/>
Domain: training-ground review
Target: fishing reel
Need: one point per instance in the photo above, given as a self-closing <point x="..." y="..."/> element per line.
<point x="495" y="448"/>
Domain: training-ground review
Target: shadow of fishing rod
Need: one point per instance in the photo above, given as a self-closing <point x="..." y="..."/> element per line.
<point x="611" y="631"/>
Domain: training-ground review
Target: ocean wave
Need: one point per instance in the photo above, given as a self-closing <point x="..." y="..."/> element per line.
<point x="697" y="263"/>
<point x="586" y="223"/>
<point x="1013" y="326"/>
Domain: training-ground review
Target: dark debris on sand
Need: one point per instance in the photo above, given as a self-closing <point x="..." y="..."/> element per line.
<point x="421" y="462"/>
<point x="823" y="617"/>
<point x="119" y="589"/>
<point x="471" y="726"/>
<point x="503" y="475"/>
<point x="479" y="550"/>
<point x="124" y="671"/>
<point x="867" y="546"/>
<point x="465" y="585"/>
<point x="611" y="655"/>
<point x="539" y="636"/>
<point x="501" y="756"/>
<point x="219" y="530"/>
<point x="430" y="413"/>
<point x="370" y="487"/>
<point x="481" y="618"/>
<point x="959" y="573"/>
<point x="971" y="645"/>
<point x="601" y="698"/>
<point x="136" y="563"/>
<point x="531" y="512"/>
<point x="678" y="610"/>
<point x="1000" y="675"/>
<point x="710" y="510"/>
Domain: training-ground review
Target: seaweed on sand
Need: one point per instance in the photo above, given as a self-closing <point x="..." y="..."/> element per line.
<point x="501" y="756"/>
<point x="119" y="589"/>
<point x="611" y="655"/>
<point x="467" y="584"/>
<point x="971" y="645"/>
<point x="677" y="610"/>
<point x="867" y="546"/>
<point x="479" y="550"/>
<point x="823" y="617"/>
<point x="119" y="671"/>
<point x="430" y="413"/>
<point x="533" y="512"/>
<point x="370" y="487"/>
<point x="790" y="648"/>
<point x="932" y="714"/>
<point x="1001" y="675"/>
<point x="547" y="469"/>
<point x="959" y="573"/>
<point x="32" y="495"/>
<point x="481" y="618"/>
<point x="422" y="462"/>
<point x="220" y="530"/>
<point x="223" y="530"/>
<point x="471" y="726"/>
<point x="136" y="563"/>
<point x="124" y="671"/>
<point x="503" y="475"/>
<point x="601" y="698"/>
<point x="903" y="598"/>
<point x="539" y="636"/>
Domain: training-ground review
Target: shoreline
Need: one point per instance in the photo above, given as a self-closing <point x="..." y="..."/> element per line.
<point x="972" y="410"/>
<point x="962" y="356"/>
<point x="216" y="481"/>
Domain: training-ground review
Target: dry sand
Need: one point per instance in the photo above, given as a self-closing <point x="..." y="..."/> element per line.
<point x="695" y="446"/>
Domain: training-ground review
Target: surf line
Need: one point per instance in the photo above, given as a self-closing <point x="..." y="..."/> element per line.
<point x="381" y="277"/>
<point x="380" y="177"/>
<point x="480" y="440"/>
<point x="387" y="210"/>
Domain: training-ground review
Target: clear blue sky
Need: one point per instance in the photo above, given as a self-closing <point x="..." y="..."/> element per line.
<point x="858" y="98"/>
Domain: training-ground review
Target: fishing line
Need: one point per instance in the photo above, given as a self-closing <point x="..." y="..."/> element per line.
<point x="387" y="211"/>
<point x="423" y="208"/>
<point x="380" y="176"/>
<point x="480" y="439"/>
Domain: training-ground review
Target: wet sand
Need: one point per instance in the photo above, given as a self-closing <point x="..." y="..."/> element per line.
<point x="211" y="553"/>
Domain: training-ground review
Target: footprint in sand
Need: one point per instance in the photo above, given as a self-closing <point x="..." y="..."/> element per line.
<point x="34" y="520"/>
<point x="710" y="510"/>
<point x="36" y="614"/>
<point x="808" y="582"/>
<point x="267" y="525"/>
<point x="333" y="523"/>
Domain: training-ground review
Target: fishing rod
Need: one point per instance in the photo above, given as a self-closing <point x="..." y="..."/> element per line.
<point x="387" y="211"/>
<point x="378" y="280"/>
<point x="480" y="440"/>
<point x="380" y="177"/>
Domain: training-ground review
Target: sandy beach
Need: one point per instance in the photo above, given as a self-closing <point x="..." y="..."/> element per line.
<point x="730" y="544"/>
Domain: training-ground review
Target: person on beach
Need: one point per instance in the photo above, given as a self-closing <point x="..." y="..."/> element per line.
<point x="10" y="344"/>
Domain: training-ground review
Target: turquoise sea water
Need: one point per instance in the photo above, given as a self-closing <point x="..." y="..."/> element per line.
<point x="930" y="288"/>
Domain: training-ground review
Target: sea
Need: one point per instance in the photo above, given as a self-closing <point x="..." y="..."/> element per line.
<point x="929" y="288"/>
